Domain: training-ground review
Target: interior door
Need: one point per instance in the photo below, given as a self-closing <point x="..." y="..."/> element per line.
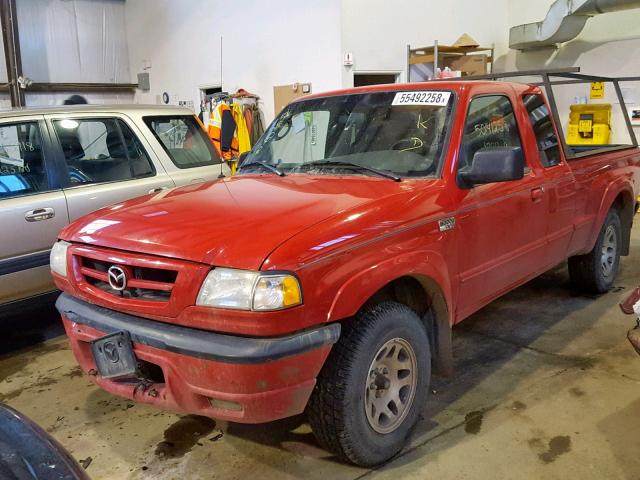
<point x="501" y="227"/>
<point x="105" y="162"/>
<point x="33" y="208"/>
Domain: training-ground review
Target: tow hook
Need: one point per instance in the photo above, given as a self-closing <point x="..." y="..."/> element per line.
<point x="145" y="386"/>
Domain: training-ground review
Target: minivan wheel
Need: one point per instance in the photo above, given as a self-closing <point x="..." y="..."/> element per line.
<point x="596" y="271"/>
<point x="373" y="385"/>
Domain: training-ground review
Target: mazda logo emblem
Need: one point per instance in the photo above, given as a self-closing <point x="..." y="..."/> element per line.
<point x="111" y="352"/>
<point x="117" y="278"/>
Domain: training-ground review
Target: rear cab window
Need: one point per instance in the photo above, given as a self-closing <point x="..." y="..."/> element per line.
<point x="183" y="139"/>
<point x="542" y="125"/>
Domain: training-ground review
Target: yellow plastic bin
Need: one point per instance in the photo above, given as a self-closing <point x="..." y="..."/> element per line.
<point x="590" y="124"/>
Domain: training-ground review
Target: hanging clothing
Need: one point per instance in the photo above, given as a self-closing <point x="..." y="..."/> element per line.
<point x="247" y="112"/>
<point x="242" y="133"/>
<point x="257" y="126"/>
<point x="222" y="127"/>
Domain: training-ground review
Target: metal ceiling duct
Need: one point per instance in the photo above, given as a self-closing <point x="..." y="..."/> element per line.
<point x="564" y="21"/>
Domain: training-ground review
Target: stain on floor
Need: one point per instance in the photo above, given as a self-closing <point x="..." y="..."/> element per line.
<point x="557" y="446"/>
<point x="473" y="422"/>
<point x="577" y="392"/>
<point x="183" y="435"/>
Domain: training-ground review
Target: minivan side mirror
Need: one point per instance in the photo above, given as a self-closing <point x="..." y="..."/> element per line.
<point x="491" y="165"/>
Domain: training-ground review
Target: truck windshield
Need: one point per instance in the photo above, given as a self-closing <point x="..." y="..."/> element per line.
<point x="401" y="133"/>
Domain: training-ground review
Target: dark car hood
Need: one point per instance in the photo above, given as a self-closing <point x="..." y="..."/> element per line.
<point x="28" y="453"/>
<point x="232" y="222"/>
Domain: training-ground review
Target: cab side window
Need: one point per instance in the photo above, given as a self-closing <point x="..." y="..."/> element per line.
<point x="22" y="169"/>
<point x="542" y="126"/>
<point x="101" y="150"/>
<point x="490" y="124"/>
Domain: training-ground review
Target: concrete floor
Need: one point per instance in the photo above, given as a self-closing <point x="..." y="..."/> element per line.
<point x="545" y="386"/>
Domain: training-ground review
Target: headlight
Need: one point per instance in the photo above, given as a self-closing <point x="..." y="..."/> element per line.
<point x="245" y="290"/>
<point x="58" y="257"/>
<point x="273" y="292"/>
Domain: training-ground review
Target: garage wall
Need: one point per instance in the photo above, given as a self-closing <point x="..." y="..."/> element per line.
<point x="377" y="31"/>
<point x="609" y="43"/>
<point x="263" y="44"/>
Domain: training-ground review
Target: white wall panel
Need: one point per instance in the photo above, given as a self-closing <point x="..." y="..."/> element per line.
<point x="264" y="44"/>
<point x="377" y="31"/>
<point x="73" y="40"/>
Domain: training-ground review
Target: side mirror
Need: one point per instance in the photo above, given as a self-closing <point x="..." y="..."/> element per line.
<point x="491" y="165"/>
<point x="243" y="156"/>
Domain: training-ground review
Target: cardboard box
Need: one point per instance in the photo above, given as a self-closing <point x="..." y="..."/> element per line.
<point x="468" y="64"/>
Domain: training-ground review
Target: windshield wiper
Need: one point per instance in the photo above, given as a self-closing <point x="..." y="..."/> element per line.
<point x="265" y="165"/>
<point x="355" y="166"/>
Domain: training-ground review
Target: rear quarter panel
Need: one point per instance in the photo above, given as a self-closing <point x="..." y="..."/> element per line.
<point x="599" y="179"/>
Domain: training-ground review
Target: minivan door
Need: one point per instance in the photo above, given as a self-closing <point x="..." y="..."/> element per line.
<point x="106" y="162"/>
<point x="33" y="208"/>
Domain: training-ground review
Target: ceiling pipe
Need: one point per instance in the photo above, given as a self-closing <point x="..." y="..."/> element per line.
<point x="564" y="22"/>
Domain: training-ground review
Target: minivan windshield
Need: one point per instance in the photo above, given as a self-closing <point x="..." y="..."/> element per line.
<point x="401" y="134"/>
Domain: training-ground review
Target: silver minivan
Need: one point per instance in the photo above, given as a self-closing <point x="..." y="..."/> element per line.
<point x="57" y="164"/>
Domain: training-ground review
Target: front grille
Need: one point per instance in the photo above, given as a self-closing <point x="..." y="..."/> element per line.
<point x="143" y="283"/>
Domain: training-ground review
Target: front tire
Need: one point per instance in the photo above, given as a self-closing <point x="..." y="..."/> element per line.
<point x="373" y="386"/>
<point x="596" y="271"/>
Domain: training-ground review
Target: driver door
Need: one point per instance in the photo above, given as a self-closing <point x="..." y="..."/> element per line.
<point x="501" y="227"/>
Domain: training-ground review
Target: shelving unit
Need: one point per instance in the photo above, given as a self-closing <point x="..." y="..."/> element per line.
<point x="438" y="56"/>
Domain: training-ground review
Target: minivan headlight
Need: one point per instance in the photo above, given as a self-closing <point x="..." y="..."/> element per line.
<point x="58" y="258"/>
<point x="247" y="290"/>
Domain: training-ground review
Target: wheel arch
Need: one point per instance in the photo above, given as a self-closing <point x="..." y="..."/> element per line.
<point x="618" y="196"/>
<point x="423" y="287"/>
<point x="626" y="206"/>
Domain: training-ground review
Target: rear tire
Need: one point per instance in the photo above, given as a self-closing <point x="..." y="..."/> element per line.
<point x="596" y="271"/>
<point x="373" y="386"/>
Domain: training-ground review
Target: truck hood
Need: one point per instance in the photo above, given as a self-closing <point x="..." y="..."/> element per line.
<point x="234" y="222"/>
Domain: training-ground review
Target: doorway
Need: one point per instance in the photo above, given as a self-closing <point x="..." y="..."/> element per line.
<point x="364" y="79"/>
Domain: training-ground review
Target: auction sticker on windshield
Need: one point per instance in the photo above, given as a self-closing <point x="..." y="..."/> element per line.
<point x="437" y="99"/>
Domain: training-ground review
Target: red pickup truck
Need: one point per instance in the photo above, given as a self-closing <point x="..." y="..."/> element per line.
<point x="326" y="276"/>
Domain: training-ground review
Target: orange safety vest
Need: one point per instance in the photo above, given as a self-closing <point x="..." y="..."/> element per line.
<point x="215" y="132"/>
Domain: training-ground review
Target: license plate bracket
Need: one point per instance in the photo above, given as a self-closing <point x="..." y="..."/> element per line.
<point x="114" y="355"/>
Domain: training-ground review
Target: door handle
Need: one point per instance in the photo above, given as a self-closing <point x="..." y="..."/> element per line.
<point x="158" y="189"/>
<point x="39" y="214"/>
<point x="537" y="194"/>
<point x="197" y="180"/>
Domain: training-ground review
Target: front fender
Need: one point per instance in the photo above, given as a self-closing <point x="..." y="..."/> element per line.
<point x="423" y="265"/>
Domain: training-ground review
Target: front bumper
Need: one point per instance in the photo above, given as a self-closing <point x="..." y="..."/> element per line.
<point x="249" y="380"/>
